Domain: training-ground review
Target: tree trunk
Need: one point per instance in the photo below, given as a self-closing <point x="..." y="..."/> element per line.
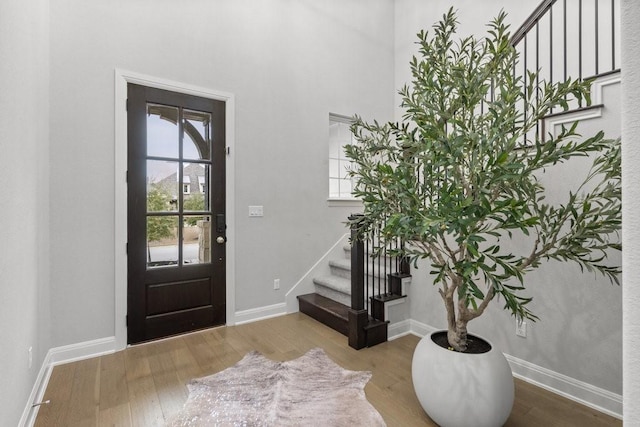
<point x="456" y="324"/>
<point x="457" y="335"/>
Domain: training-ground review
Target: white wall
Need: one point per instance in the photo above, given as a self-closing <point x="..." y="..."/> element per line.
<point x="411" y="16"/>
<point x="631" y="220"/>
<point x="567" y="339"/>
<point x="24" y="125"/>
<point x="289" y="63"/>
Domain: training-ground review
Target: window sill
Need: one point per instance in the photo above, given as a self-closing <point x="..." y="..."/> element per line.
<point x="332" y="202"/>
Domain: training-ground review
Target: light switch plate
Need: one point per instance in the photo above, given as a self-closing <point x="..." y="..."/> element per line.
<point x="256" y="211"/>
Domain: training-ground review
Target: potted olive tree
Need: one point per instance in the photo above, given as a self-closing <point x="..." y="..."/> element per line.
<point x="458" y="177"/>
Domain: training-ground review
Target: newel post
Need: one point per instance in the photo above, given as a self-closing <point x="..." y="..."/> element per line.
<point x="358" y="316"/>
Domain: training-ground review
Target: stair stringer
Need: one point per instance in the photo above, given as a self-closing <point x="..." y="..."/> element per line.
<point x="321" y="267"/>
<point x="599" y="100"/>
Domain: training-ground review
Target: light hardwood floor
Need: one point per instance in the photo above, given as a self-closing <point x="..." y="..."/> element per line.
<point x="144" y="384"/>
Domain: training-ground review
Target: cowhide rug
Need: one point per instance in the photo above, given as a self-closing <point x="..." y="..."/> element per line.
<point x="308" y="391"/>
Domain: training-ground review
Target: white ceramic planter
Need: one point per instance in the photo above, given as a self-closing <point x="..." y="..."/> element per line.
<point x="459" y="389"/>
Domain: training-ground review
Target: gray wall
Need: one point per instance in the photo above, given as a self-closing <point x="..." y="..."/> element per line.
<point x="24" y="246"/>
<point x="289" y="64"/>
<point x="579" y="333"/>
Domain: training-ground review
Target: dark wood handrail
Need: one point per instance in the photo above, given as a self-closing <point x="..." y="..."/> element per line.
<point x="531" y="21"/>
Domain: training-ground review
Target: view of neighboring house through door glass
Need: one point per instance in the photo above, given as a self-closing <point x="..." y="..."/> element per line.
<point x="178" y="208"/>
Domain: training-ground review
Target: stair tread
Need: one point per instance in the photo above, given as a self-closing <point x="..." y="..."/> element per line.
<point x="343" y="285"/>
<point x="326" y="304"/>
<point x="342" y="263"/>
<point x="372" y="268"/>
<point x="388" y="297"/>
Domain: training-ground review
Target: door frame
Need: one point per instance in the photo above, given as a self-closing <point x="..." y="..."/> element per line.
<point x="122" y="78"/>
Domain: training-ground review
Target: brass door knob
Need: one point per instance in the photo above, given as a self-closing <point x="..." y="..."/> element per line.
<point x="220" y="239"/>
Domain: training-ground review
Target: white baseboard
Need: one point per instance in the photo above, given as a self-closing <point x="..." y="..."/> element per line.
<point x="586" y="394"/>
<point x="421" y="329"/>
<point x="579" y="391"/>
<point x="81" y="351"/>
<point x="260" y="313"/>
<point x="399" y="329"/>
<point x="59" y="356"/>
<point x="37" y="393"/>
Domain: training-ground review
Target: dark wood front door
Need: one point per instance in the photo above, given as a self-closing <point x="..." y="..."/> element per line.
<point x="176" y="213"/>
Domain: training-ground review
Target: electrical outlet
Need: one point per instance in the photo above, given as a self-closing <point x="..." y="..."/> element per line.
<point x="30" y="357"/>
<point x="276" y="284"/>
<point x="521" y="328"/>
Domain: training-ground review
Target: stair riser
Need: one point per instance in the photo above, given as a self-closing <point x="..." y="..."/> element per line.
<point x="338" y="296"/>
<point x="324" y="316"/>
<point x="343" y="285"/>
<point x="346" y="273"/>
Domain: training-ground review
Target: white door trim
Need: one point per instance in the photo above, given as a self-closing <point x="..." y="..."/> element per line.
<point x="122" y="77"/>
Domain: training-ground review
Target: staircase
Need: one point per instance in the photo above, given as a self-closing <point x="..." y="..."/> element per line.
<point x="567" y="38"/>
<point x="334" y="303"/>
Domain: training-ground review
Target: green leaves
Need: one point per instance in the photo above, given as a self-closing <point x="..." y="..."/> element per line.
<point x="159" y="227"/>
<point x="458" y="176"/>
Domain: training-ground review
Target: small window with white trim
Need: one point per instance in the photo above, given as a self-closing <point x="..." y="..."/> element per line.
<point x="340" y="184"/>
